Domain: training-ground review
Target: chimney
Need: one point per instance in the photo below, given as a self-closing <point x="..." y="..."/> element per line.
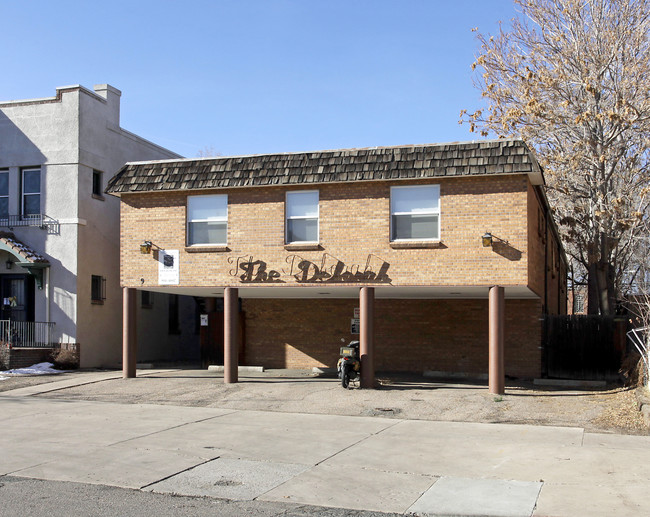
<point x="112" y="96"/>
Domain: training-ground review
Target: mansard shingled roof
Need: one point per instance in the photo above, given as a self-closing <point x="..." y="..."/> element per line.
<point x="371" y="164"/>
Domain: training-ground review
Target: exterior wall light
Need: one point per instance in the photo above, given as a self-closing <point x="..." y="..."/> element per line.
<point x="145" y="247"/>
<point x="9" y="264"/>
<point x="487" y="240"/>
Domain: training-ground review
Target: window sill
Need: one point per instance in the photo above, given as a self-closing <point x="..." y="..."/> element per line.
<point x="303" y="246"/>
<point x="98" y="197"/>
<point x="408" y="245"/>
<point x="97" y="302"/>
<point x="206" y="249"/>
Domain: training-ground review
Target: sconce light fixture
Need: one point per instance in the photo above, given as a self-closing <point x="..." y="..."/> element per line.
<point x="9" y="264"/>
<point x="487" y="240"/>
<point x="145" y="247"/>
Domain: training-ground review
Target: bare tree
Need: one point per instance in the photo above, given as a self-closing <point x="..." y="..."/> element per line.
<point x="638" y="304"/>
<point x="208" y="152"/>
<point x="572" y="78"/>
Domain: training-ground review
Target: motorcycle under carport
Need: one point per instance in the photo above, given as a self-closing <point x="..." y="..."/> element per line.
<point x="349" y="364"/>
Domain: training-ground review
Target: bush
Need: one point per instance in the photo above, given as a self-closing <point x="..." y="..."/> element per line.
<point x="64" y="359"/>
<point x="633" y="369"/>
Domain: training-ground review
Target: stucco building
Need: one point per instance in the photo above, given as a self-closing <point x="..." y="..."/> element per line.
<point x="399" y="246"/>
<point x="59" y="232"/>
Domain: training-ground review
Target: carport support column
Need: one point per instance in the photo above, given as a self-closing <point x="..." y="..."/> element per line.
<point x="230" y="334"/>
<point x="367" y="337"/>
<point x="129" y="332"/>
<point x="497" y="319"/>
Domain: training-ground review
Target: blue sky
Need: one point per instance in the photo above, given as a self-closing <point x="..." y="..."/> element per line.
<point x="258" y="76"/>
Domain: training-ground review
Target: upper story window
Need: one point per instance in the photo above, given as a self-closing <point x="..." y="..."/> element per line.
<point x="31" y="191"/>
<point x="4" y="194"/>
<point x="302" y="216"/>
<point x="415" y="213"/>
<point x="97" y="289"/>
<point x="97" y="184"/>
<point x="207" y="219"/>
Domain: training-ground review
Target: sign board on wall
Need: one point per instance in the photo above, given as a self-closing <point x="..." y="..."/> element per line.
<point x="355" y="326"/>
<point x="204" y="320"/>
<point x="168" y="267"/>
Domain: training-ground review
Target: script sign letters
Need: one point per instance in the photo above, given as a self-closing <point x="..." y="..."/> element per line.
<point x="330" y="271"/>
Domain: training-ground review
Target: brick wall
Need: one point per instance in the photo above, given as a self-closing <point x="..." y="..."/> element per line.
<point x="11" y="358"/>
<point x="354" y="223"/>
<point x="547" y="271"/>
<point x="410" y="335"/>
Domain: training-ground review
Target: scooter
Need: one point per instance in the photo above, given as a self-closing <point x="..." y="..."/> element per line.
<point x="349" y="365"/>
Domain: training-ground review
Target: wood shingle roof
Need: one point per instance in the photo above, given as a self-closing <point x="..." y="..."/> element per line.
<point x="481" y="158"/>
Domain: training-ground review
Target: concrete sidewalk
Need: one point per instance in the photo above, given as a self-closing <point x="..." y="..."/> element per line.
<point x="77" y="380"/>
<point x="389" y="465"/>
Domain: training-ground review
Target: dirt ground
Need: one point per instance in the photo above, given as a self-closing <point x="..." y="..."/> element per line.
<point x="611" y="409"/>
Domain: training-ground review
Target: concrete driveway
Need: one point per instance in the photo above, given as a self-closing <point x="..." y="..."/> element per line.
<point x="368" y="463"/>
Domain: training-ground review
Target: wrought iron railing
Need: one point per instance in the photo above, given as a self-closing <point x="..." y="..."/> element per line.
<point x="12" y="221"/>
<point x="26" y="334"/>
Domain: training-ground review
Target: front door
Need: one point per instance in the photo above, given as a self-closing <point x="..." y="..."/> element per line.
<point x="17" y="297"/>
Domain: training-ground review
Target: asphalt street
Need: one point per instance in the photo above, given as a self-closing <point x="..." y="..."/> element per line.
<point x="27" y="497"/>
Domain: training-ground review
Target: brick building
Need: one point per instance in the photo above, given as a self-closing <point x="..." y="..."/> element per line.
<point x="410" y="239"/>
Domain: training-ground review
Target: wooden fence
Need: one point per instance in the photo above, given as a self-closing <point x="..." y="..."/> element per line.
<point x="582" y="347"/>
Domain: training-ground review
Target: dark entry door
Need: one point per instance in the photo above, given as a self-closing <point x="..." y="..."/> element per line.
<point x="212" y="339"/>
<point x="17" y="297"/>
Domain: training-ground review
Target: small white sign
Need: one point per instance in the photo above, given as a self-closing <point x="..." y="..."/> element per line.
<point x="204" y="320"/>
<point x="168" y="267"/>
<point x="357" y="312"/>
<point x="355" y="326"/>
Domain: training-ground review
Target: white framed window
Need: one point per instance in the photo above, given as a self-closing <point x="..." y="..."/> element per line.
<point x="4" y="194"/>
<point x="301" y="209"/>
<point x="31" y="191"/>
<point x="415" y="213"/>
<point x="207" y="219"/>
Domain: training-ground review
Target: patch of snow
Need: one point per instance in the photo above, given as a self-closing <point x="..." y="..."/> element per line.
<point x="36" y="369"/>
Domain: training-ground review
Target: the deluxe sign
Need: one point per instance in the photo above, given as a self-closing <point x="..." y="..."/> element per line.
<point x="330" y="271"/>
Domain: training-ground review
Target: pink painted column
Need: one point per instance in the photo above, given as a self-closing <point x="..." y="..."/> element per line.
<point x="496" y="370"/>
<point x="230" y="335"/>
<point x="129" y="333"/>
<point x="367" y="337"/>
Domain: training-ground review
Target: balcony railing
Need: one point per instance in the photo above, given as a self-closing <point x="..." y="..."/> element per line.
<point x="14" y="221"/>
<point x="26" y="334"/>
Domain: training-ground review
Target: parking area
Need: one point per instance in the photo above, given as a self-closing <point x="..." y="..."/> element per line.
<point x="610" y="409"/>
